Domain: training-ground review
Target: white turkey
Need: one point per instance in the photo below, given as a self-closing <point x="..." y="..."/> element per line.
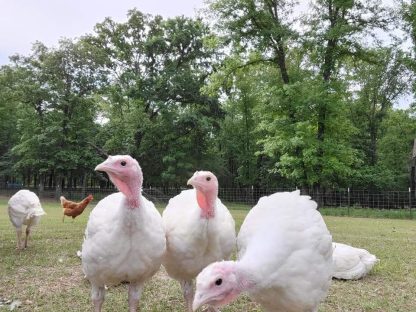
<point x="199" y="230"/>
<point x="285" y="258"/>
<point x="24" y="209"/>
<point x="351" y="263"/>
<point x="124" y="239"/>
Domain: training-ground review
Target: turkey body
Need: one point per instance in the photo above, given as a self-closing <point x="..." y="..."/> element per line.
<point x="24" y="208"/>
<point x="351" y="263"/>
<point x="124" y="238"/>
<point x="285" y="240"/>
<point x="194" y="242"/>
<point x="122" y="244"/>
<point x="284" y="258"/>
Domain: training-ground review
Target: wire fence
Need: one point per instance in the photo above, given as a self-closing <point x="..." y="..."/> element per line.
<point x="249" y="196"/>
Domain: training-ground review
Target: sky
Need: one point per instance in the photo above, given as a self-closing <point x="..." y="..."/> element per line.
<point x="22" y="22"/>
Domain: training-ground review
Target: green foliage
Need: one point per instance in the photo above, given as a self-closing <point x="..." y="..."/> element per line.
<point x="408" y="14"/>
<point x="256" y="99"/>
<point x="8" y="104"/>
<point x="56" y="113"/>
<point x="392" y="167"/>
<point x="154" y="106"/>
<point x="395" y="147"/>
<point x="304" y="126"/>
<point x="295" y="143"/>
<point x="237" y="139"/>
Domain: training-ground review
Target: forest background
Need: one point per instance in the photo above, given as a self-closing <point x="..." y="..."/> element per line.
<point x="253" y="91"/>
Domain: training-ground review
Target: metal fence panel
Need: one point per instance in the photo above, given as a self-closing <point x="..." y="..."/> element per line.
<point x="249" y="196"/>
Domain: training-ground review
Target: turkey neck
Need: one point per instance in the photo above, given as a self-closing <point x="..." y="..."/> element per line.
<point x="133" y="192"/>
<point x="206" y="202"/>
<point x="245" y="277"/>
<point x="131" y="188"/>
<point x="134" y="200"/>
<point x="131" y="214"/>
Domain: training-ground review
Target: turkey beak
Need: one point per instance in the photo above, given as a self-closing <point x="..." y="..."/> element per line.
<point x="191" y="181"/>
<point x="104" y="166"/>
<point x="199" y="301"/>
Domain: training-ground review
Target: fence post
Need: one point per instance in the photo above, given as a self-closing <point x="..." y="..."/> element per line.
<point x="348" y="206"/>
<point x="252" y="194"/>
<point x="410" y="203"/>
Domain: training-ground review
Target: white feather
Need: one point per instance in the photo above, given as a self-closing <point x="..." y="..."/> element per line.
<point x="351" y="263"/>
<point x="24" y="209"/>
<point x="286" y="245"/>
<point x="194" y="242"/>
<point x="122" y="244"/>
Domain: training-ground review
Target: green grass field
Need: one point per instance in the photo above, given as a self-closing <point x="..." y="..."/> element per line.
<point x="48" y="277"/>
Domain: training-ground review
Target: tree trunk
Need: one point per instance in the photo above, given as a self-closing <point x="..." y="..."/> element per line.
<point x="281" y="62"/>
<point x="41" y="185"/>
<point x="84" y="185"/>
<point x="50" y="180"/>
<point x="58" y="186"/>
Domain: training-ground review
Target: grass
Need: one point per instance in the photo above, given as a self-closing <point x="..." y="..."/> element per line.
<point x="368" y="212"/>
<point x="403" y="213"/>
<point x="48" y="277"/>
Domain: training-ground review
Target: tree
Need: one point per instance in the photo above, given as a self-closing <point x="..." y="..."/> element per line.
<point x="334" y="37"/>
<point x="392" y="168"/>
<point x="264" y="26"/>
<point x="308" y="97"/>
<point x="237" y="140"/>
<point x="9" y="98"/>
<point x="156" y="69"/>
<point x="408" y="15"/>
<point x="396" y="148"/>
<point x="378" y="85"/>
<point x="57" y="113"/>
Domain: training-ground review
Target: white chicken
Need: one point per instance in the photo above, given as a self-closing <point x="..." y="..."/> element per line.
<point x="199" y="230"/>
<point x="285" y="258"/>
<point x="124" y="239"/>
<point x="351" y="263"/>
<point x="24" y="209"/>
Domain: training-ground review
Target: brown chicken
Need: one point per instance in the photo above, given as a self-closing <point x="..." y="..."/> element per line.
<point x="73" y="209"/>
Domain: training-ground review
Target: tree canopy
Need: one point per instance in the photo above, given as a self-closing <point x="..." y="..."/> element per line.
<point x="256" y="91"/>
